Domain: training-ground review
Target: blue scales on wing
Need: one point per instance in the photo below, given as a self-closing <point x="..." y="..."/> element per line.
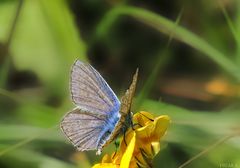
<point x="90" y="124"/>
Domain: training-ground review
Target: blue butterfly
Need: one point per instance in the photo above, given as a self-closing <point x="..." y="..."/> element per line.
<point x="99" y="116"/>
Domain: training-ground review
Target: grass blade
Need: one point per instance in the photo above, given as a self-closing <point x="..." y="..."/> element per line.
<point x="162" y="59"/>
<point x="166" y="26"/>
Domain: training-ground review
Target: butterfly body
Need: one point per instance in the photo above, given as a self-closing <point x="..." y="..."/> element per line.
<point x="99" y="116"/>
<point x="107" y="130"/>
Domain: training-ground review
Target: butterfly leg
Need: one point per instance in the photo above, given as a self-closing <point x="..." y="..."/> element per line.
<point x="124" y="138"/>
<point x="135" y="124"/>
<point x="124" y="130"/>
<point x="116" y="143"/>
<point x="116" y="148"/>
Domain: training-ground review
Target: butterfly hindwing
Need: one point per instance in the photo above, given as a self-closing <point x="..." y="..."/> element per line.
<point x="126" y="100"/>
<point x="83" y="128"/>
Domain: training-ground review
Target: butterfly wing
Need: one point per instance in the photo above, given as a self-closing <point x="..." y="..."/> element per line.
<point x="126" y="102"/>
<point x="86" y="125"/>
<point x="82" y="128"/>
<point x="90" y="91"/>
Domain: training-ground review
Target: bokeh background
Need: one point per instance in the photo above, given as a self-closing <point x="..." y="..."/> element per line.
<point x="188" y="54"/>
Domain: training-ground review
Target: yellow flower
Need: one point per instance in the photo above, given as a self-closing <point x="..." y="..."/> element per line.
<point x="142" y="143"/>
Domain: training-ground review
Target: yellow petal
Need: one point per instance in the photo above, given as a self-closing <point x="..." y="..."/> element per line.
<point x="142" y="143"/>
<point x="105" y="165"/>
<point x="127" y="156"/>
<point x="155" y="148"/>
<point x="161" y="124"/>
<point x="148" y="137"/>
<point x="106" y="159"/>
<point x="155" y="130"/>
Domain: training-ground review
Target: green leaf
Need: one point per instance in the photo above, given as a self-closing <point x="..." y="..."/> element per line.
<point x="187" y="126"/>
<point x="31" y="159"/>
<point x="47" y="42"/>
<point x="10" y="132"/>
<point x="7" y="11"/>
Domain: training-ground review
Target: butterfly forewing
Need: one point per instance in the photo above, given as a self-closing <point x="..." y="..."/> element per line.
<point x="90" y="91"/>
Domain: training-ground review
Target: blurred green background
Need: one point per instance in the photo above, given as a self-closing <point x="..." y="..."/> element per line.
<point x="188" y="54"/>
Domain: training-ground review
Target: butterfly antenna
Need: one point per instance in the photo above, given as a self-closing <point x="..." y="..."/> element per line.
<point x="124" y="138"/>
<point x="146" y="117"/>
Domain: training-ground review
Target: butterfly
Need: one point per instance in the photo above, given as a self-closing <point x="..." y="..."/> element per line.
<point x="99" y="116"/>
